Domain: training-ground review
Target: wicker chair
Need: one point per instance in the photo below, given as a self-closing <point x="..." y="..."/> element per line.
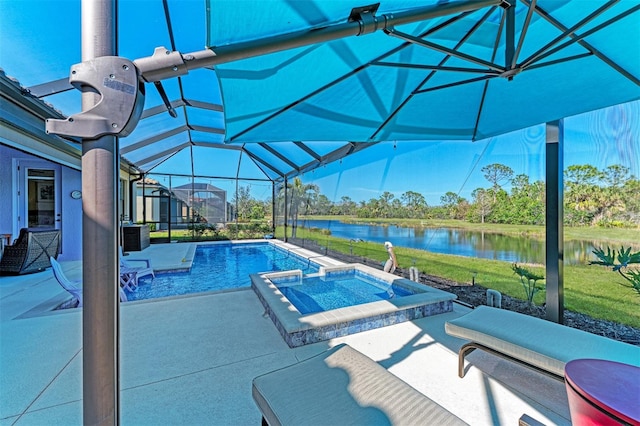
<point x="31" y="251"/>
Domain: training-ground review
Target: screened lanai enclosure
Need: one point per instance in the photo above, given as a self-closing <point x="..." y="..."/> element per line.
<point x="309" y="83"/>
<point x="222" y="110"/>
<point x="218" y="105"/>
<point x="180" y="208"/>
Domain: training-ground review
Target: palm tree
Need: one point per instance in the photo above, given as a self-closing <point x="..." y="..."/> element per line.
<point x="300" y="197"/>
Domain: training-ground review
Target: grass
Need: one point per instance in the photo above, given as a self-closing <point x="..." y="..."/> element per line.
<point x="592" y="290"/>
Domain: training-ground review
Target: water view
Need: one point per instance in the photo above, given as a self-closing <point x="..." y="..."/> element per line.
<point x="457" y="241"/>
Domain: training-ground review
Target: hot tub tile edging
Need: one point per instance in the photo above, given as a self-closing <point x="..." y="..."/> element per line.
<point x="298" y="330"/>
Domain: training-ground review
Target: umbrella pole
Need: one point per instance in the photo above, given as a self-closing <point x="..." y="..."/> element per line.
<point x="100" y="168"/>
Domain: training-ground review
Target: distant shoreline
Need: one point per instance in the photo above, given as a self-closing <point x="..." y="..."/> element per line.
<point x="628" y="236"/>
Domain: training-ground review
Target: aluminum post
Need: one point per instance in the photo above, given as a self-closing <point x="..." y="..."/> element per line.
<point x="286" y="213"/>
<point x="554" y="242"/>
<point x="273" y="208"/>
<point x="100" y="168"/>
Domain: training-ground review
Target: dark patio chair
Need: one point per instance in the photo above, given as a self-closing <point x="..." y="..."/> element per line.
<point x="31" y="251"/>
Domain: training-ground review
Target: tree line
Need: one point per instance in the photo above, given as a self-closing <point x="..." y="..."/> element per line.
<point x="592" y="197"/>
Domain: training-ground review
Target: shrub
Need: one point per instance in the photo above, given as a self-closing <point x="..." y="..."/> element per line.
<point x="619" y="261"/>
<point x="528" y="280"/>
<point x="200" y="229"/>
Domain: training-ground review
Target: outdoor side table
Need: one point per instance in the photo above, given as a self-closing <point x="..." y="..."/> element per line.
<point x="603" y="392"/>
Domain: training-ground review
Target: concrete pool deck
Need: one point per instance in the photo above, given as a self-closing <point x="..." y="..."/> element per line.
<point x="191" y="359"/>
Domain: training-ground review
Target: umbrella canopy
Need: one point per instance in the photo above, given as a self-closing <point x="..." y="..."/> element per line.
<point x="463" y="70"/>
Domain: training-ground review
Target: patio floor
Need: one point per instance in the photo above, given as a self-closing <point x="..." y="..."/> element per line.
<point x="191" y="359"/>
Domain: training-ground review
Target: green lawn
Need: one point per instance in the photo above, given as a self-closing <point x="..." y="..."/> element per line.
<point x="593" y="290"/>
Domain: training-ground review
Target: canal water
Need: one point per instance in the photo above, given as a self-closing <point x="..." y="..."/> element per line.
<point x="460" y="242"/>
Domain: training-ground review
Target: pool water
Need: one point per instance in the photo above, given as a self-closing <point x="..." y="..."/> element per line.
<point x="323" y="293"/>
<point x="221" y="267"/>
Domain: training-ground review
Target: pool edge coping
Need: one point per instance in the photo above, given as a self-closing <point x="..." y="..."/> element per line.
<point x="292" y="321"/>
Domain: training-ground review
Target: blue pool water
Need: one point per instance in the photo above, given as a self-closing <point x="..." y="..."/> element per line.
<point x="220" y="267"/>
<point x="320" y="293"/>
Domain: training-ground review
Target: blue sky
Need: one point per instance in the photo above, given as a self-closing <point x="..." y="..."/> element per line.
<point x="40" y="40"/>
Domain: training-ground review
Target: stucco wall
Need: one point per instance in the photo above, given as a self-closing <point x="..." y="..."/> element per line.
<point x="71" y="210"/>
<point x="71" y="215"/>
<point x="6" y="200"/>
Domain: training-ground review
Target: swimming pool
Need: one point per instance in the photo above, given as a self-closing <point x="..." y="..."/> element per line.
<point x="298" y="328"/>
<point x="319" y="293"/>
<point x="220" y="267"/>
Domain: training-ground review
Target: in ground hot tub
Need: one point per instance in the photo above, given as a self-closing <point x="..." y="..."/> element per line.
<point x="342" y="300"/>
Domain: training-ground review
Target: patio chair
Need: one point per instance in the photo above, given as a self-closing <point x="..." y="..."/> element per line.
<point x="71" y="286"/>
<point x="128" y="279"/>
<point x="74" y="287"/>
<point x="31" y="251"/>
<point x="130" y="273"/>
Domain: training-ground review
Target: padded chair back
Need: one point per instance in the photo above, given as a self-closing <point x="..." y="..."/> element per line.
<point x="43" y="245"/>
<point x="31" y="251"/>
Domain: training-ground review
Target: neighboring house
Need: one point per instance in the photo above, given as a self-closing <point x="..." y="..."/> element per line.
<point x="40" y="174"/>
<point x="207" y="201"/>
<point x="156" y="204"/>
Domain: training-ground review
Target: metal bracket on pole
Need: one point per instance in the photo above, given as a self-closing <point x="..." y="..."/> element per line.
<point x="162" y="65"/>
<point x="121" y="101"/>
<point x="366" y="18"/>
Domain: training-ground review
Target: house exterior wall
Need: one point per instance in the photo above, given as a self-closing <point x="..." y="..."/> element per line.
<point x="24" y="142"/>
<point x="72" y="215"/>
<point x="69" y="180"/>
<point x="6" y="198"/>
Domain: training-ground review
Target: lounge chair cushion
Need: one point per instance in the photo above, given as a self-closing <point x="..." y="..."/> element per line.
<point x="342" y="387"/>
<point x="541" y="343"/>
